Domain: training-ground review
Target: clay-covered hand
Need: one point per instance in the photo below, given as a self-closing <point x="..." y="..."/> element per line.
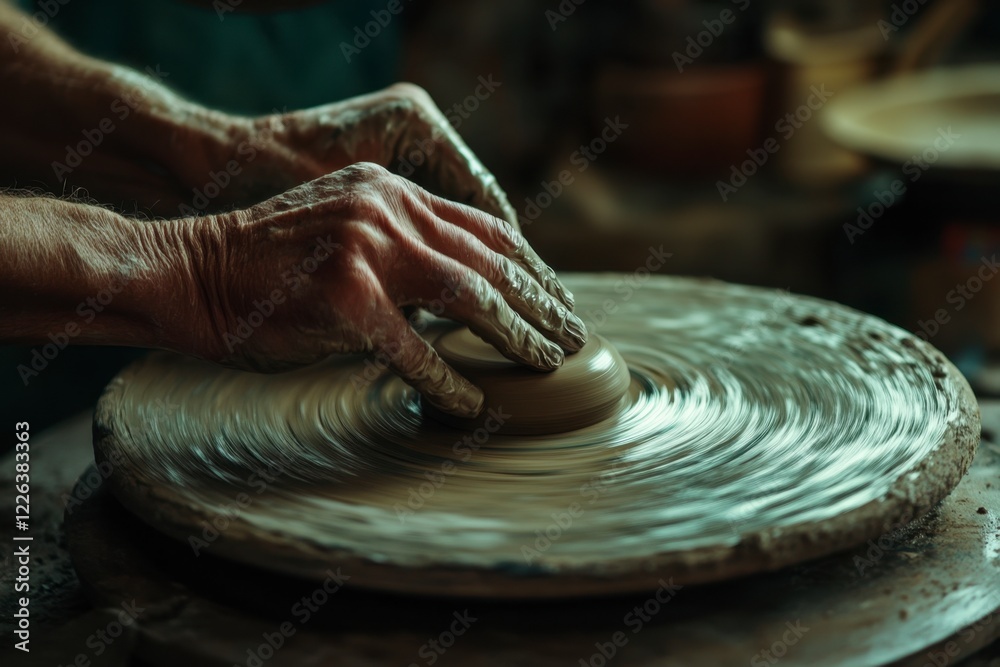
<point x="326" y="267"/>
<point x="399" y="128"/>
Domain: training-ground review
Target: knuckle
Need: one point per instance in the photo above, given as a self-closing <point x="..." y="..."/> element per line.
<point x="492" y="230"/>
<point x="476" y="285"/>
<point x="423" y="365"/>
<point x="507" y="273"/>
<point x="379" y="204"/>
<point x="369" y="170"/>
<point x="503" y="233"/>
<point x="410" y="91"/>
<point x="375" y="210"/>
<point x="465" y="286"/>
<point x="355" y="234"/>
<point x="491" y="304"/>
<point x="362" y="241"/>
<point x="359" y="182"/>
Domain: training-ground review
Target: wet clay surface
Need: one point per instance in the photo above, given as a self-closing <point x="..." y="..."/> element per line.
<point x="588" y="388"/>
<point x="908" y="595"/>
<point x="928" y="593"/>
<point x="759" y="430"/>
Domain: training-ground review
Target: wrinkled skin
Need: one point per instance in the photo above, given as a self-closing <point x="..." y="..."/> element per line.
<point x="399" y="128"/>
<point x="346" y="251"/>
<point x="311" y="207"/>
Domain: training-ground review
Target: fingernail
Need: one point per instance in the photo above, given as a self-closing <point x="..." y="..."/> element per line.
<point x="570" y="299"/>
<point x="553" y="356"/>
<point x="576" y="329"/>
<point x="471" y="402"/>
<point x="562" y="293"/>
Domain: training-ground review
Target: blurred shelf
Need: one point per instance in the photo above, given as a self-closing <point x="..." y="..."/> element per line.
<point x="765" y="233"/>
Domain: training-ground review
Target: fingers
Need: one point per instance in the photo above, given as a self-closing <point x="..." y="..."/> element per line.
<point x="494" y="200"/>
<point x="448" y="165"/>
<point x="534" y="304"/>
<point x="402" y="129"/>
<point x="503" y="240"/>
<point x="526" y="256"/>
<point x="518" y="288"/>
<point x="469" y="298"/>
<point x="457" y="174"/>
<point x="415" y="361"/>
<point x="484" y="311"/>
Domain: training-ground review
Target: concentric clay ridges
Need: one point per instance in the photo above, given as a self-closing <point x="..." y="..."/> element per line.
<point x="588" y="388"/>
<point x="764" y="429"/>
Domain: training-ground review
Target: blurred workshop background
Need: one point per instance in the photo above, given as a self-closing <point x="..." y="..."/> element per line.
<point x="848" y="149"/>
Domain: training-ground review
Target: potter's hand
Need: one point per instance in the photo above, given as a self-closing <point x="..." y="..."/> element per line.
<point x="326" y="266"/>
<point x="399" y="128"/>
<point x="128" y="140"/>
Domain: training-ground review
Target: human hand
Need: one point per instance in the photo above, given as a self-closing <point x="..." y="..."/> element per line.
<point x="376" y="242"/>
<point x="399" y="128"/>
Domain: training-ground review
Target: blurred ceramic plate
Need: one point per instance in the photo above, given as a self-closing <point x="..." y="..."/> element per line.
<point x="951" y="114"/>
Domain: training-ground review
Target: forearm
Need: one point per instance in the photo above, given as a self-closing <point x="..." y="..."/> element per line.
<point x="75" y="273"/>
<point x="75" y="119"/>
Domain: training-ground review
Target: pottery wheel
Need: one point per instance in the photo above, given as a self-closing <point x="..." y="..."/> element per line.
<point x="758" y="429"/>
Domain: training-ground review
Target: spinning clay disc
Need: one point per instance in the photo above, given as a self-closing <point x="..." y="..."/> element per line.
<point x="586" y="389"/>
<point x="758" y="429"/>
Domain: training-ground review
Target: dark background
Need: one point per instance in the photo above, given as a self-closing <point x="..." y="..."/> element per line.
<point x="562" y="74"/>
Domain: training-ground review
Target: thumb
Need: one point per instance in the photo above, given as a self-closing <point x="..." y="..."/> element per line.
<point x="415" y="361"/>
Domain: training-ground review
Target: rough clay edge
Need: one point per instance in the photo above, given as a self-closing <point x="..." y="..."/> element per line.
<point x="911" y="497"/>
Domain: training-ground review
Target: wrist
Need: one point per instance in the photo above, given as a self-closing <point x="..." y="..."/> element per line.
<point x="157" y="283"/>
<point x="230" y="162"/>
<point x="87" y="274"/>
<point x="183" y="138"/>
<point x="188" y="311"/>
